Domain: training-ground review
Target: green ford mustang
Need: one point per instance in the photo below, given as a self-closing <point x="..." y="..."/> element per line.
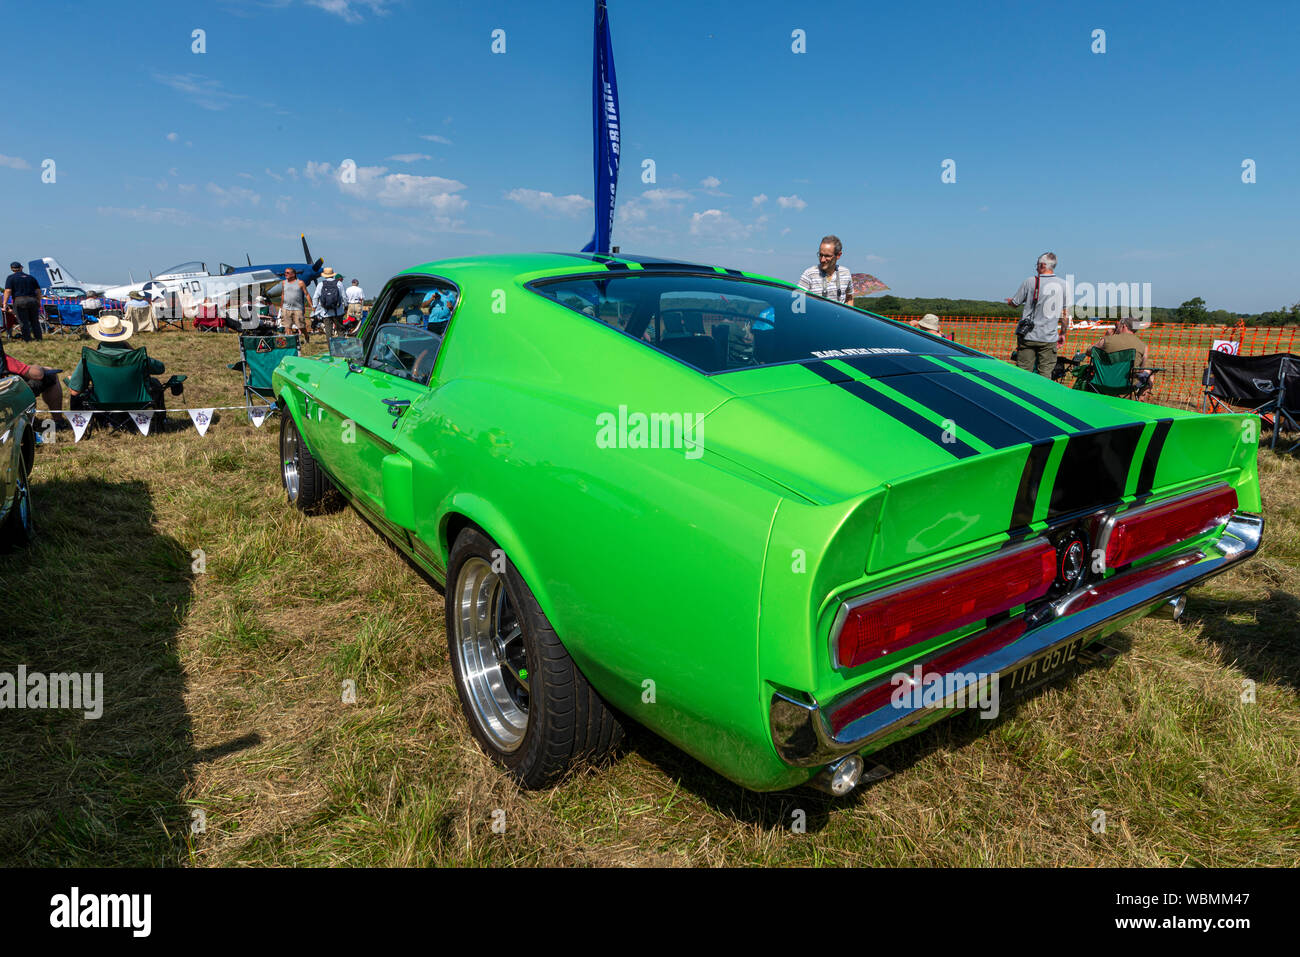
<point x="780" y="532"/>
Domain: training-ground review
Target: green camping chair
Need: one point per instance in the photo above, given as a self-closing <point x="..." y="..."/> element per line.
<point x="120" y="381"/>
<point x="1108" y="373"/>
<point x="259" y="356"/>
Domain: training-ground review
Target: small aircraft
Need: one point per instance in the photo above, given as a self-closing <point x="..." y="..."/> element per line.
<point x="190" y="281"/>
<point x="308" y="271"/>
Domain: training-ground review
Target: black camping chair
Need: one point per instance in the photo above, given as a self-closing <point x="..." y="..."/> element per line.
<point x="1268" y="386"/>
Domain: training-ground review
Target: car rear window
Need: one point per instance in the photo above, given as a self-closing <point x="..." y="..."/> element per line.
<point x="723" y="324"/>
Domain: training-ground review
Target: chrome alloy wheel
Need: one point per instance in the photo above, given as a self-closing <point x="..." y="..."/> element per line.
<point x="290" y="457"/>
<point x="490" y="648"/>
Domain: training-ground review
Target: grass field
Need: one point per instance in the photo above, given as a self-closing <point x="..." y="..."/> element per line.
<point x="225" y="739"/>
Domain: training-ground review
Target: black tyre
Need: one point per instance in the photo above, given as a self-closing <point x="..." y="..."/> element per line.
<point x="305" y="484"/>
<point x="19" y="527"/>
<point x="527" y="703"/>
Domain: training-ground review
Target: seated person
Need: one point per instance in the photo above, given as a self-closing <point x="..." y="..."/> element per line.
<point x="1122" y="337"/>
<point x="114" y="335"/>
<point x="439" y="311"/>
<point x="139" y="310"/>
<point x="43" y="382"/>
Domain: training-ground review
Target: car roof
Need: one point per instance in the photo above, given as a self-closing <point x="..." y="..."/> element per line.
<point x="526" y="267"/>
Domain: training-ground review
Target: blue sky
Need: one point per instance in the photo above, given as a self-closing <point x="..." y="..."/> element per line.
<point x="1126" y="164"/>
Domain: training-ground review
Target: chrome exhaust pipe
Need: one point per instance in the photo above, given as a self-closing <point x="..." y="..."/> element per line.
<point x="1172" y="609"/>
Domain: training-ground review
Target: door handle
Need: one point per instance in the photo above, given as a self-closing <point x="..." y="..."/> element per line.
<point x="396" y="407"/>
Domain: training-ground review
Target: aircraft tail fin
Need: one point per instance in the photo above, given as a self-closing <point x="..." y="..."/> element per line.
<point x="48" y="272"/>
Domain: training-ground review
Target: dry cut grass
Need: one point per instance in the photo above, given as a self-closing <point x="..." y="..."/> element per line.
<point x="226" y="741"/>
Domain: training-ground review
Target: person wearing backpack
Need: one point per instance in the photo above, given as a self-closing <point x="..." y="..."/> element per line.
<point x="329" y="297"/>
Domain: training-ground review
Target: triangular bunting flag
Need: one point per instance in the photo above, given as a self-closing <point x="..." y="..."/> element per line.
<point x="142" y="421"/>
<point x="202" y="419"/>
<point x="80" y="421"/>
<point x="258" y="413"/>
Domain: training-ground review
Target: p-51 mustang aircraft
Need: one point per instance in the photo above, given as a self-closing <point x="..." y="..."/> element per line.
<point x="190" y="281"/>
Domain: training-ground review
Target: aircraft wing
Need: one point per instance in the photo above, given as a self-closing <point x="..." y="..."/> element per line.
<point x="221" y="287"/>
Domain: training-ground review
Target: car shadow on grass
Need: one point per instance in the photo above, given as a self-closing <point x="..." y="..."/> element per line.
<point x="1259" y="638"/>
<point x="777" y="809"/>
<point x="100" y="591"/>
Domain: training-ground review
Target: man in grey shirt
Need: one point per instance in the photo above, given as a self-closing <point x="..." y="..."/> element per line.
<point x="1045" y="319"/>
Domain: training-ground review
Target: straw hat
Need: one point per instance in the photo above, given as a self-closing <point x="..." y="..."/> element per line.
<point x="327" y="272"/>
<point x="112" y="328"/>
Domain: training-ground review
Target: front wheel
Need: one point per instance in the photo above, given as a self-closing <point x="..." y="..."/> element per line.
<point x="528" y="705"/>
<point x="305" y="484"/>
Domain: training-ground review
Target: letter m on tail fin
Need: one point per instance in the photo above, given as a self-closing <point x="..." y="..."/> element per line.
<point x="49" y="273"/>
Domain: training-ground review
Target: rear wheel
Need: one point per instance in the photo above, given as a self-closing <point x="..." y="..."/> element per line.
<point x="528" y="705"/>
<point x="19" y="526"/>
<point x="305" y="484"/>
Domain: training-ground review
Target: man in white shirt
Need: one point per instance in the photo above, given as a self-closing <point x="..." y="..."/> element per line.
<point x="828" y="279"/>
<point x="356" y="300"/>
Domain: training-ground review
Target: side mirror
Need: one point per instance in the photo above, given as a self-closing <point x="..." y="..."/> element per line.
<point x="346" y="347"/>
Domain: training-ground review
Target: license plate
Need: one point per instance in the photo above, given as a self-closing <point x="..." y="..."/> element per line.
<point x="1040" y="668"/>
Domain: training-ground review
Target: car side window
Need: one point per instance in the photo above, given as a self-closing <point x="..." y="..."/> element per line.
<point x="408" y="334"/>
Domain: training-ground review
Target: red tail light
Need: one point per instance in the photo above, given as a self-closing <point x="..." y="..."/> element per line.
<point x="914" y="613"/>
<point x="1144" y="532"/>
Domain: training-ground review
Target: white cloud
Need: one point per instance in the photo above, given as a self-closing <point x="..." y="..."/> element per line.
<point x="234" y="195"/>
<point x="630" y="212"/>
<point x="760" y="199"/>
<point x="282" y="204"/>
<point x="203" y="91"/>
<point x="245" y="175"/>
<point x="394" y="189"/>
<point x="717" y="226"/>
<point x="540" y="201"/>
<point x="661" y="198"/>
<point x="173" y="172"/>
<point x="350" y="10"/>
<point x="791" y="202"/>
<point x="435" y="138"/>
<point x="275" y="176"/>
<point x="14" y="162"/>
<point x="710" y="182"/>
<point x="144" y="214"/>
<point x="173" y="137"/>
<point x="185" y="187"/>
<point x="410" y="157"/>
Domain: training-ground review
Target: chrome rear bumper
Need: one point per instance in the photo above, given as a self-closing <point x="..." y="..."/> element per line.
<point x="802" y="731"/>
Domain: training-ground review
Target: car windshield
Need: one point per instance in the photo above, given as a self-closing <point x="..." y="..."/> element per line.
<point x="721" y="324"/>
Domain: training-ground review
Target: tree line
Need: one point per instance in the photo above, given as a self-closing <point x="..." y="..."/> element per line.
<point x="1192" y="311"/>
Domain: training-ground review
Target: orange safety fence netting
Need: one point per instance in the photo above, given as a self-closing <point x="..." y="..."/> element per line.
<point x="1178" y="349"/>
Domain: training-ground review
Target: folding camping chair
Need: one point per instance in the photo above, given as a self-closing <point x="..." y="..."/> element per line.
<point x="1108" y="373"/>
<point x="72" y="318"/>
<point x="1268" y="386"/>
<point x="120" y="381"/>
<point x="259" y="356"/>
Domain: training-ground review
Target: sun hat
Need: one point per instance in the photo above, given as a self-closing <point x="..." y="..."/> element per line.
<point x="930" y="323"/>
<point x="327" y="272"/>
<point x="135" y="294"/>
<point x="112" y="328"/>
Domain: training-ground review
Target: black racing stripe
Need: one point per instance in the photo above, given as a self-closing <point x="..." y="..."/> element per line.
<point x="828" y="371"/>
<point x="1019" y="393"/>
<point x="905" y="416"/>
<point x="1007" y="410"/>
<point x="1147" y="477"/>
<point x="1022" y="513"/>
<point x="733" y="272"/>
<point x="968" y="416"/>
<point x="881" y="366"/>
<point x="1093" y="470"/>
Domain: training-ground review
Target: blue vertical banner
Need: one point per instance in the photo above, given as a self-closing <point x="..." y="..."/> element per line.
<point x="605" y="133"/>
